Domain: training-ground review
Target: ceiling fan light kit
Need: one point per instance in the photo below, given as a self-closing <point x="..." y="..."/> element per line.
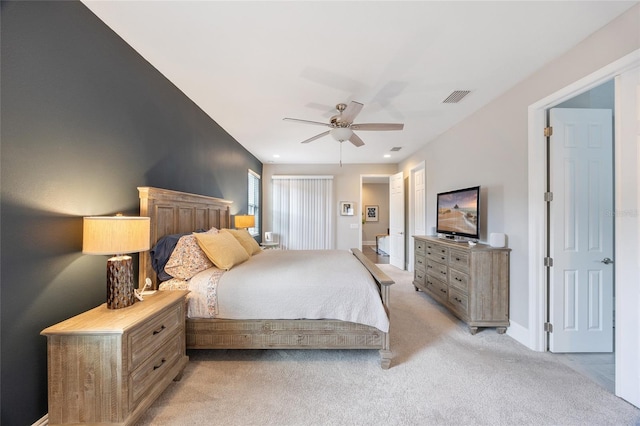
<point x="341" y="134"/>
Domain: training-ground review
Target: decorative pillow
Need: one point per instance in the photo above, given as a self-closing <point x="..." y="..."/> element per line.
<point x="245" y="239"/>
<point x="222" y="249"/>
<point x="187" y="259"/>
<point x="161" y="252"/>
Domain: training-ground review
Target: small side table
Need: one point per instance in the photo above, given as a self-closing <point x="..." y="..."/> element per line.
<point x="270" y="245"/>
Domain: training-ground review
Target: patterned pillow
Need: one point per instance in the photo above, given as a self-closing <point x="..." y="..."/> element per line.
<point x="187" y="259"/>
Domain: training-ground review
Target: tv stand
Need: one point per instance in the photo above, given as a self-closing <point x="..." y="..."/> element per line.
<point x="471" y="281"/>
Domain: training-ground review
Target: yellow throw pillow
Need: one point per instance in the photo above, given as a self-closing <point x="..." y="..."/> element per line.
<point x="222" y="249"/>
<point x="245" y="239"/>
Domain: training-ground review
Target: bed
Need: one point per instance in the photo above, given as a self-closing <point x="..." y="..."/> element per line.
<point x="174" y="212"/>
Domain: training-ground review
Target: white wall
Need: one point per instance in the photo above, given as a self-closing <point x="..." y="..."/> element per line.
<point x="490" y="148"/>
<point x="346" y="187"/>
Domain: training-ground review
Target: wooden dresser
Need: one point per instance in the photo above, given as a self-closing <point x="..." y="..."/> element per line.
<point x="472" y="282"/>
<point x="108" y="366"/>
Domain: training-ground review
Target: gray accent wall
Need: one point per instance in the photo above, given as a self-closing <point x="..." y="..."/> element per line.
<point x="84" y="121"/>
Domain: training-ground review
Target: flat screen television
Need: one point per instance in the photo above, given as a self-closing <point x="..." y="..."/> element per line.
<point x="459" y="213"/>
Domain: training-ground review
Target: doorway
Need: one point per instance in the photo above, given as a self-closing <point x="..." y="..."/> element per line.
<point x="580" y="283"/>
<point x="626" y="74"/>
<point x="374" y="231"/>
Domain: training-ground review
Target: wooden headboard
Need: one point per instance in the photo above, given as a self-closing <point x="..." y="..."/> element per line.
<point x="174" y="212"/>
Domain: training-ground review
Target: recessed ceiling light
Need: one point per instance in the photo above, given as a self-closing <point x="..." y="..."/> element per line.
<point x="276" y="155"/>
<point x="387" y="156"/>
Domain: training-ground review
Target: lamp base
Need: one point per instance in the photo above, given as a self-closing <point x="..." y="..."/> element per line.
<point x="120" y="287"/>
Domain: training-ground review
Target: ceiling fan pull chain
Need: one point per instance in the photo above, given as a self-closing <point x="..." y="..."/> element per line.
<point x="340" y="154"/>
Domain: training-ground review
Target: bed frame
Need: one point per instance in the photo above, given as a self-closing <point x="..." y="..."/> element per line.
<point x="173" y="212"/>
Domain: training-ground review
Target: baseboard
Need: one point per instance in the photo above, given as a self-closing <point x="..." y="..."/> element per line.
<point x="519" y="333"/>
<point x="368" y="243"/>
<point x="44" y="421"/>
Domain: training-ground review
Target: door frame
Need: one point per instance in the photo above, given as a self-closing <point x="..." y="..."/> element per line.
<point x="362" y="181"/>
<point x="411" y="213"/>
<point x="535" y="334"/>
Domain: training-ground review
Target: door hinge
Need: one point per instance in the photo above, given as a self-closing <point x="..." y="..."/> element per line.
<point x="548" y="327"/>
<point x="548" y="131"/>
<point x="548" y="197"/>
<point x="548" y="262"/>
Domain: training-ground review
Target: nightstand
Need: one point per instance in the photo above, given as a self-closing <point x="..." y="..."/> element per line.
<point x="270" y="245"/>
<point x="109" y="365"/>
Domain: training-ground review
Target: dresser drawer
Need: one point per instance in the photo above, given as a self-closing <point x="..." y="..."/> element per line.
<point x="153" y="369"/>
<point x="438" y="288"/>
<point x="419" y="276"/>
<point x="420" y="263"/>
<point x="459" y="260"/>
<point x="459" y="301"/>
<point x="437" y="253"/>
<point x="148" y="338"/>
<point x="419" y="248"/>
<point x="459" y="280"/>
<point x="437" y="270"/>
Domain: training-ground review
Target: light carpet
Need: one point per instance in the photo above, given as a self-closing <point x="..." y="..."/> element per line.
<point x="440" y="375"/>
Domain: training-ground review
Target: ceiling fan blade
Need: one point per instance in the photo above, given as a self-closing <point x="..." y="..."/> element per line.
<point x="378" y="126"/>
<point x="355" y="139"/>
<point x="321" y="135"/>
<point x="316" y="123"/>
<point x="351" y="111"/>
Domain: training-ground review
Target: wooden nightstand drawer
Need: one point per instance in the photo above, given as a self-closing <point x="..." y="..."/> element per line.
<point x="148" y="373"/>
<point x="147" y="339"/>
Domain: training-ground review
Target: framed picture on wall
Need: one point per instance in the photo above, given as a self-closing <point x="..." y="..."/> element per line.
<point x="371" y="213"/>
<point x="347" y="208"/>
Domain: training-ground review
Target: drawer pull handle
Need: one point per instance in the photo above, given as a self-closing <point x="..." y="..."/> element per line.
<point x="155" y="367"/>
<point x="443" y="258"/>
<point x="458" y="259"/>
<point x="443" y="290"/>
<point x="458" y="279"/>
<point x="160" y="330"/>
<point x="443" y="273"/>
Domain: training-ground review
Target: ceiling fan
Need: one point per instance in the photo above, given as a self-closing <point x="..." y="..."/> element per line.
<point x="342" y="125"/>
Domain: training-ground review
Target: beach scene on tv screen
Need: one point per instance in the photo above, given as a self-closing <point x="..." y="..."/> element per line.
<point x="458" y="212"/>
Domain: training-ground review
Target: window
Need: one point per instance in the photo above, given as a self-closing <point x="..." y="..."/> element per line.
<point x="303" y="212"/>
<point x="253" y="207"/>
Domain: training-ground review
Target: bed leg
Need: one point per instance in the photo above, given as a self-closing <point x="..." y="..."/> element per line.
<point x="385" y="358"/>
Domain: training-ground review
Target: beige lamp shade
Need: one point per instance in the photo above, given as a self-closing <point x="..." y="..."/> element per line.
<point x="115" y="234"/>
<point x="244" y="221"/>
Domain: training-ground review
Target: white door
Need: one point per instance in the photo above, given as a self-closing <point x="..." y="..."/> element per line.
<point x="396" y="220"/>
<point x="419" y="197"/>
<point x="581" y="230"/>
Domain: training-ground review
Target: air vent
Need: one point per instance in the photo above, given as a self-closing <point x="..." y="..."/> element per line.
<point x="456" y="96"/>
<point x="396" y="149"/>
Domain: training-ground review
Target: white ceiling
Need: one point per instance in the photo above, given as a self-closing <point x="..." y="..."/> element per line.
<point x="250" y="64"/>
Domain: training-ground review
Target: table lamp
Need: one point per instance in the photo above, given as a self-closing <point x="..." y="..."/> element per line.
<point x="117" y="236"/>
<point x="244" y="221"/>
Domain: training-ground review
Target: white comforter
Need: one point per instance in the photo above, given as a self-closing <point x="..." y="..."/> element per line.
<point x="290" y="284"/>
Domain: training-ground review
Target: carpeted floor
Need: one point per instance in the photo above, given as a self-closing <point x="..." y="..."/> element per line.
<point x="440" y="375"/>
